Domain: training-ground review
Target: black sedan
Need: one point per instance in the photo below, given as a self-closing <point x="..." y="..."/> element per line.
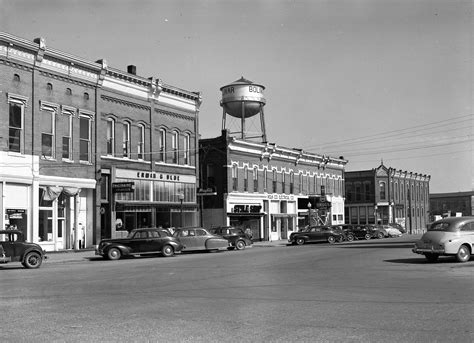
<point x="357" y="232"/>
<point x="316" y="234"/>
<point x="139" y="242"/>
<point x="14" y="248"/>
<point x="236" y="237"/>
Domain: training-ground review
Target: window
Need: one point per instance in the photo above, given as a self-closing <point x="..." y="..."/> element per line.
<point x="49" y="88"/>
<point x="274" y="181"/>
<point x="265" y="180"/>
<point x="141" y="142"/>
<point x="162" y="145"/>
<point x="86" y="96"/>
<point x="246" y="177"/>
<point x="186" y="148"/>
<point x="67" y="138"/>
<point x="48" y="129"/>
<point x="300" y="183"/>
<point x="255" y="179"/>
<point x="211" y="181"/>
<point x="68" y="91"/>
<point x="234" y="177"/>
<point x="104" y="187"/>
<point x="126" y="139"/>
<point x="358" y="192"/>
<point x="175" y="146"/>
<point x="15" y="125"/>
<point x="292" y="182"/>
<point x="110" y="137"/>
<point x="382" y="190"/>
<point x="283" y="185"/>
<point x="84" y="138"/>
<point x="16" y="78"/>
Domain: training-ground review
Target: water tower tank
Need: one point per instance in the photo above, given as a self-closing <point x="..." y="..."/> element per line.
<point x="242" y="98"/>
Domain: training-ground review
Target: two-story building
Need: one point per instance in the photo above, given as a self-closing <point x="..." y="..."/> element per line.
<point x="266" y="187"/>
<point x="386" y="195"/>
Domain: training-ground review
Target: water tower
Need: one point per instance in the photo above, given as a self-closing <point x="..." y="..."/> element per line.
<point x="243" y="99"/>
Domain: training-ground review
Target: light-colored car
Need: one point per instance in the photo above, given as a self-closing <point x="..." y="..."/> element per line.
<point x="452" y="236"/>
<point x="197" y="238"/>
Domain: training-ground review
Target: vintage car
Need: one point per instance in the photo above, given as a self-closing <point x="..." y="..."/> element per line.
<point x="236" y="237"/>
<point x="198" y="238"/>
<point x="312" y="234"/>
<point x="453" y="236"/>
<point x="13" y="248"/>
<point x="147" y="241"/>
<point x="357" y="232"/>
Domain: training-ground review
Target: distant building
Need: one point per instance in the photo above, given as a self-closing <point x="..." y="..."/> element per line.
<point x="451" y="204"/>
<point x="386" y="195"/>
<point x="266" y="187"/>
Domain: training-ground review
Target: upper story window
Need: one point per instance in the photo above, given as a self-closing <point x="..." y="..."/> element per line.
<point x="186" y="149"/>
<point x="175" y="146"/>
<point x="85" y="138"/>
<point x="16" y="78"/>
<point x="274" y="181"/>
<point x="349" y="191"/>
<point x="300" y="177"/>
<point x="292" y="183"/>
<point x="141" y="142"/>
<point x="110" y="137"/>
<point x="383" y="190"/>
<point x="49" y="88"/>
<point x="211" y="181"/>
<point x="358" y="192"/>
<point x="234" y="177"/>
<point x="162" y="147"/>
<point x="265" y="180"/>
<point x="283" y="181"/>
<point x="126" y="139"/>
<point x="68" y="91"/>
<point x="255" y="179"/>
<point x="16" y="140"/>
<point x="86" y="96"/>
<point x="246" y="178"/>
<point x="367" y="191"/>
<point x="317" y="184"/>
<point x="66" y="124"/>
<point x="48" y="129"/>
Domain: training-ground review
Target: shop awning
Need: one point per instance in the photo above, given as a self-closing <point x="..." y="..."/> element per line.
<point x="284" y="215"/>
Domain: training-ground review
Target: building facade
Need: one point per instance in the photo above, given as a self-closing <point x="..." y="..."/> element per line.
<point x="451" y="204"/>
<point x="75" y="132"/>
<point x="386" y="195"/>
<point x="267" y="188"/>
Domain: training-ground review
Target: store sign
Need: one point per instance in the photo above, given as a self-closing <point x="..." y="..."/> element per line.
<point x="15" y="213"/>
<point x="153" y="176"/>
<point x="123" y="187"/>
<point x="280" y="197"/>
<point x="247" y="209"/>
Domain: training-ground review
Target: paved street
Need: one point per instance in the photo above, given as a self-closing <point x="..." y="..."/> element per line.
<point x="365" y="291"/>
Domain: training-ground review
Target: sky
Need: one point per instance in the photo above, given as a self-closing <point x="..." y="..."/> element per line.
<point x="374" y="81"/>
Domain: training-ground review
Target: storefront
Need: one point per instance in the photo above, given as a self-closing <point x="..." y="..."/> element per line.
<point x="152" y="199"/>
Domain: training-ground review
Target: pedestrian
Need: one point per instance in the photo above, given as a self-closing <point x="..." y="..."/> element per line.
<point x="82" y="236"/>
<point x="248" y="232"/>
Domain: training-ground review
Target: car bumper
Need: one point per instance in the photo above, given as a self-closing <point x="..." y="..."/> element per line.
<point x="431" y="250"/>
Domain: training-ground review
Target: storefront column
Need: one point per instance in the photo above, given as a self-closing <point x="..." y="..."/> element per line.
<point x="76" y="224"/>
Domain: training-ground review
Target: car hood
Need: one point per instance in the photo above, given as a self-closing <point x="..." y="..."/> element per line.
<point x="113" y="240"/>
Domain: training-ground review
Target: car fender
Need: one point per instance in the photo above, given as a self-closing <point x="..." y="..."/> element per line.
<point x="123" y="249"/>
<point x="452" y="246"/>
<point x="176" y="246"/>
<point x="27" y="251"/>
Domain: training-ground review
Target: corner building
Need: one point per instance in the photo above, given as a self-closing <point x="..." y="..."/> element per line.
<point x="267" y="188"/>
<point x="75" y="131"/>
<point x="386" y="195"/>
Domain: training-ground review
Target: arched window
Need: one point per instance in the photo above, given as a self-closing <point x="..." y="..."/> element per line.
<point x="246" y="178"/>
<point x="274" y="181"/>
<point x="141" y="142"/>
<point x="86" y="96"/>
<point x="16" y="78"/>
<point x="383" y="190"/>
<point x="265" y="179"/>
<point x="162" y="147"/>
<point x="255" y="179"/>
<point x="111" y="137"/>
<point x="292" y="182"/>
<point x="126" y="139"/>
<point x="234" y="177"/>
<point x="186" y="148"/>
<point x="300" y="183"/>
<point x="68" y="91"/>
<point x="283" y="182"/>
<point x="49" y="88"/>
<point x="175" y="146"/>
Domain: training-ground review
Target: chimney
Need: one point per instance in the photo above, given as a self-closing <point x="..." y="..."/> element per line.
<point x="131" y="69"/>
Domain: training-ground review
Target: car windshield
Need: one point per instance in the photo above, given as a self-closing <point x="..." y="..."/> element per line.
<point x="440" y="226"/>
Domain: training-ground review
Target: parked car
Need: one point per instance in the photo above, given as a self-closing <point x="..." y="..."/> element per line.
<point x="316" y="234"/>
<point x="379" y="231"/>
<point x="139" y="242"/>
<point x="357" y="232"/>
<point x="399" y="227"/>
<point x="453" y="236"/>
<point x="393" y="232"/>
<point x="14" y="248"/>
<point x="198" y="238"/>
<point x="237" y="238"/>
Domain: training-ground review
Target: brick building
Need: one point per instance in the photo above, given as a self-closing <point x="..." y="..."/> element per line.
<point x="73" y="124"/>
<point x="386" y="195"/>
<point x="267" y="187"/>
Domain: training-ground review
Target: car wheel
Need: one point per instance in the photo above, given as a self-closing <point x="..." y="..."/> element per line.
<point x="240" y="245"/>
<point x="331" y="240"/>
<point x="350" y="237"/>
<point x="32" y="260"/>
<point x="367" y="236"/>
<point x="114" y="254"/>
<point x="300" y="241"/>
<point x="340" y="239"/>
<point x="167" y="251"/>
<point x="431" y="257"/>
<point x="464" y="254"/>
<point x="380" y="235"/>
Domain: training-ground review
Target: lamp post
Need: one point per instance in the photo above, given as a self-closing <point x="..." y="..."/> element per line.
<point x="376" y="214"/>
<point x="309" y="213"/>
<point x="181" y="198"/>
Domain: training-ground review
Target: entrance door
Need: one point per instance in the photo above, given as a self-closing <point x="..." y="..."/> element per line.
<point x="284" y="228"/>
<point x="60" y="241"/>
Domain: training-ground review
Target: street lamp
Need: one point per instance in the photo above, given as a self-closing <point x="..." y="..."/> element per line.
<point x="181" y="198"/>
<point x="309" y="213"/>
